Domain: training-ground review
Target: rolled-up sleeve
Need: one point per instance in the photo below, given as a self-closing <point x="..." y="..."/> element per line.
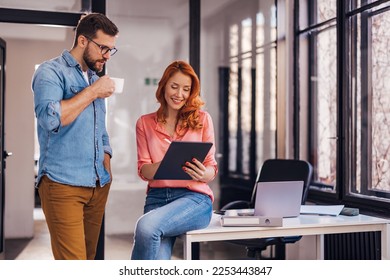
<point x="48" y="94"/>
<point x="106" y="144"/>
<point x="49" y="115"/>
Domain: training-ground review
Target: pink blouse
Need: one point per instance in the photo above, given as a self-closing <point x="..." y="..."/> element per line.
<point x="152" y="146"/>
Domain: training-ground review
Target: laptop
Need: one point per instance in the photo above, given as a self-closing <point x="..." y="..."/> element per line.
<point x="274" y="201"/>
<point x="278" y="199"/>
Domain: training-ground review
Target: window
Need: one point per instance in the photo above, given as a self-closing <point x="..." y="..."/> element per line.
<point x="370" y="101"/>
<point x="318" y="58"/>
<point x="343" y="67"/>
<point x="250" y="93"/>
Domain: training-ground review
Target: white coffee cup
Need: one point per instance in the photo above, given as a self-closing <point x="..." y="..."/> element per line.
<point x="118" y="84"/>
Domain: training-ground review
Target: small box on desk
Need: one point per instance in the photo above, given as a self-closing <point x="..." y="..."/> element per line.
<point x="251" y="221"/>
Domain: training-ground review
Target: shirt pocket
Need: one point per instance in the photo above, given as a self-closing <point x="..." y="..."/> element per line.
<point x="73" y="90"/>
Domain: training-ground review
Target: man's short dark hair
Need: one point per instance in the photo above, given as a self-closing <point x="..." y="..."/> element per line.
<point x="91" y="23"/>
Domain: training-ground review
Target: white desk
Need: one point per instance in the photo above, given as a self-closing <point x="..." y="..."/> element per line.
<point x="302" y="225"/>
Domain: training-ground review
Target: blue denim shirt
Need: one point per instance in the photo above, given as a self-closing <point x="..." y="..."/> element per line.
<point x="71" y="154"/>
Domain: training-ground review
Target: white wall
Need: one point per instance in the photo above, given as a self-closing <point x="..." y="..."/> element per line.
<point x="21" y="57"/>
<point x="19" y="139"/>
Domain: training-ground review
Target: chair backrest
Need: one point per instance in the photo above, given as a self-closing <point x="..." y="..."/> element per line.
<point x="285" y="170"/>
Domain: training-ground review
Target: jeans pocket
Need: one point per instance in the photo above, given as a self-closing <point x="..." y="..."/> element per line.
<point x="200" y="198"/>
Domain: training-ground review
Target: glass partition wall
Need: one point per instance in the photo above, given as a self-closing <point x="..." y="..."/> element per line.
<point x="152" y="35"/>
<point x="238" y="71"/>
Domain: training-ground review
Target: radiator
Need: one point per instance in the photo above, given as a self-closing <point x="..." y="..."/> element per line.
<point x="353" y="246"/>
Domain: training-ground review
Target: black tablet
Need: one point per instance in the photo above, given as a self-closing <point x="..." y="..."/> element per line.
<point x="178" y="153"/>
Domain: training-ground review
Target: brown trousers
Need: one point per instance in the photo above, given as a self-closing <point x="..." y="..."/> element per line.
<point x="74" y="217"/>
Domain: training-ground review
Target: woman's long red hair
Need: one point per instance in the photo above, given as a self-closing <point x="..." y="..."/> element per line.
<point x="188" y="116"/>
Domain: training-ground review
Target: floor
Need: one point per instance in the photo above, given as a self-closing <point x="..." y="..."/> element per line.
<point x="117" y="247"/>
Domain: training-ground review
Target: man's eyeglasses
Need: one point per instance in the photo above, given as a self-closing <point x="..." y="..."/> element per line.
<point x="103" y="49"/>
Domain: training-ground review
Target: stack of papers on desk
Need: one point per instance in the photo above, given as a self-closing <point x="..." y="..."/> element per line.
<point x="331" y="210"/>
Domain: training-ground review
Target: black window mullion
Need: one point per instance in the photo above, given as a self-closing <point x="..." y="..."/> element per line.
<point x="296" y="81"/>
<point x="365" y="5"/>
<point x="366" y="102"/>
<point x="224" y="74"/>
<point x="239" y="165"/>
<point x="343" y="151"/>
<point x="194" y="14"/>
<point x="353" y="133"/>
<point x="312" y="86"/>
<point x="39" y="17"/>
<point x="253" y="150"/>
<point x="97" y="6"/>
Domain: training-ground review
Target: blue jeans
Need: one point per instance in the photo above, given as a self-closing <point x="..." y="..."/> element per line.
<point x="169" y="212"/>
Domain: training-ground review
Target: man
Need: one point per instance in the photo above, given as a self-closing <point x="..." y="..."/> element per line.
<point x="74" y="174"/>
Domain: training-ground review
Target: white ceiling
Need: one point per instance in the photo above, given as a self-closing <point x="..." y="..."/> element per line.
<point x="139" y="8"/>
<point x="154" y="8"/>
<point x="44" y="5"/>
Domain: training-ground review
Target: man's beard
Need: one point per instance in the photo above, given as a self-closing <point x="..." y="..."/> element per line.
<point x="92" y="63"/>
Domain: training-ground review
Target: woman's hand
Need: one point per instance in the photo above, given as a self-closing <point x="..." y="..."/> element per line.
<point x="198" y="171"/>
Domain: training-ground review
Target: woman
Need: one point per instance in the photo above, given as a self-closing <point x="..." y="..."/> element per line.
<point x="173" y="207"/>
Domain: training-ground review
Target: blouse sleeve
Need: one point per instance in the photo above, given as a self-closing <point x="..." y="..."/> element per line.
<point x="143" y="154"/>
<point x="209" y="136"/>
